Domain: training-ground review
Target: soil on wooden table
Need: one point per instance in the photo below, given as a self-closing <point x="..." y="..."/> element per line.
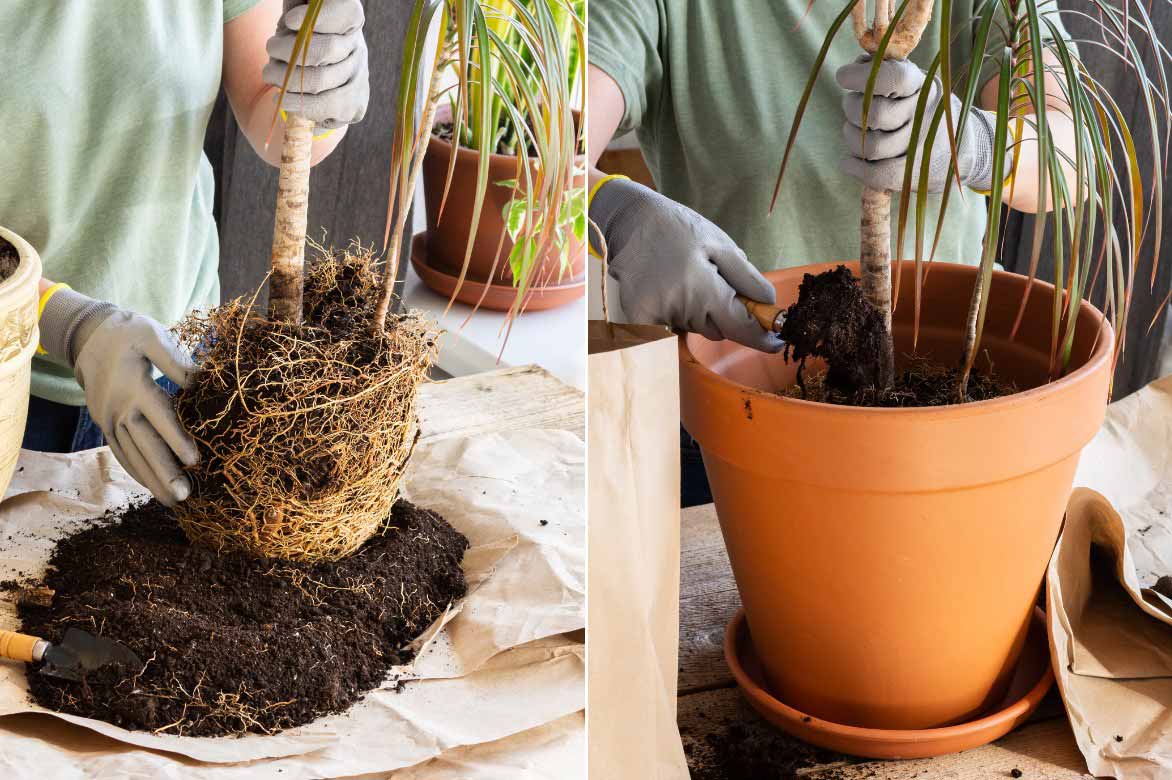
<point x="232" y="644"/>
<point x="9" y="259"/>
<point x="833" y="320"/>
<point x="750" y="750"/>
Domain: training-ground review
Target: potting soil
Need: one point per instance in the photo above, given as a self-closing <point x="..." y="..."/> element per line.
<point x="232" y="644"/>
<point x="9" y="259"/>
<point x="833" y="320"/>
<point x="750" y="749"/>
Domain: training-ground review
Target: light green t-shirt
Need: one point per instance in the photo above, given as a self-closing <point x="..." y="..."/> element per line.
<point x="103" y="110"/>
<point x="711" y="87"/>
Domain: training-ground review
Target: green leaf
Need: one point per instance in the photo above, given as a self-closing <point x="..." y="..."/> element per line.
<point x="514" y="214"/>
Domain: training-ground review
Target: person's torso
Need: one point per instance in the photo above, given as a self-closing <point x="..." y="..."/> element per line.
<point x="101" y="166"/>
<point x="734" y="72"/>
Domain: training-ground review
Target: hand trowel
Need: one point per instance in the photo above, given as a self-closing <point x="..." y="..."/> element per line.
<point x="78" y="652"/>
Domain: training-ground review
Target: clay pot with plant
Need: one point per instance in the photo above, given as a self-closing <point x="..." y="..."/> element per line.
<point x="20" y="271"/>
<point x="888" y="553"/>
<point x="492" y="251"/>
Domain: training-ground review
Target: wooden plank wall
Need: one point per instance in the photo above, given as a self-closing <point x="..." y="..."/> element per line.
<point x="1140" y="362"/>
<point x="348" y="195"/>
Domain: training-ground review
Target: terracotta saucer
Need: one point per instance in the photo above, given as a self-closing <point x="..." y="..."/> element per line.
<point x="1030" y="684"/>
<point x="499" y="296"/>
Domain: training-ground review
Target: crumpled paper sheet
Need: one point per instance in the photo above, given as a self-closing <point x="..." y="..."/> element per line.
<point x="500" y="663"/>
<point x="1110" y="634"/>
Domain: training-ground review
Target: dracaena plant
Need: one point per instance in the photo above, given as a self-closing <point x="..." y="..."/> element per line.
<point x="1086" y="191"/>
<point x="517" y="64"/>
<point x="555" y="58"/>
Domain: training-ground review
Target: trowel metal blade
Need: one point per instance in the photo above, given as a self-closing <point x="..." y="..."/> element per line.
<point x="81" y="651"/>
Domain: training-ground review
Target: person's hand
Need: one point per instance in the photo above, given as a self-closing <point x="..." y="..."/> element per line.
<point x="889" y="129"/>
<point x="332" y="86"/>
<point x="112" y="352"/>
<point x="676" y="268"/>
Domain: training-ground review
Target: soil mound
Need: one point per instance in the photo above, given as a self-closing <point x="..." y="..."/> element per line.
<point x="233" y="644"/>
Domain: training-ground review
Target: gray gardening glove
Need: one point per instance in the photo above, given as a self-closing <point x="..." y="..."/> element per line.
<point x="333" y="87"/>
<point x="112" y="352"/>
<point x="889" y="129"/>
<point x="676" y="268"/>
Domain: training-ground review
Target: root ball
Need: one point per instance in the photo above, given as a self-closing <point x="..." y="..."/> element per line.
<point x="304" y="430"/>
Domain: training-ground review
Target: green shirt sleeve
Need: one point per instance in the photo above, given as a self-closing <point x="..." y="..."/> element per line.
<point x="625" y="38"/>
<point x="995" y="45"/>
<point x="233" y="8"/>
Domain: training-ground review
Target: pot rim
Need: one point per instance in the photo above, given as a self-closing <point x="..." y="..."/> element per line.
<point x="1100" y="355"/>
<point x="27" y="270"/>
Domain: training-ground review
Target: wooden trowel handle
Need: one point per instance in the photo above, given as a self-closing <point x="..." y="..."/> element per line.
<point x="767" y="315"/>
<point x="21" y="647"/>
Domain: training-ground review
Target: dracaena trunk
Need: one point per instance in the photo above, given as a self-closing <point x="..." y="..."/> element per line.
<point x="287" y="282"/>
<point x="875" y="271"/>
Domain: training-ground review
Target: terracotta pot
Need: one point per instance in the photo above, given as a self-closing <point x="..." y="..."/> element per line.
<point x="18" y="341"/>
<point x="447" y="239"/>
<point x="888" y="559"/>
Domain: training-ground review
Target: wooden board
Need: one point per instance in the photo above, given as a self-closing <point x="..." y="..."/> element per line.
<point x="504" y="400"/>
<point x="708" y="598"/>
<point x="712" y="711"/>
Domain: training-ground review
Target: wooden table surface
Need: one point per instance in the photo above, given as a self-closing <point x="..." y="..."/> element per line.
<point x="507" y="399"/>
<point x="710" y="704"/>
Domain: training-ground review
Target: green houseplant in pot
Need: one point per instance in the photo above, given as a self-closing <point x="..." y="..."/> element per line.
<point x="888" y="558"/>
<point x="20" y="270"/>
<point x="489" y="253"/>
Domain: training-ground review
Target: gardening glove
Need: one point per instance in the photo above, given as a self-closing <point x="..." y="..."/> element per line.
<point x="889" y="127"/>
<point x="332" y="86"/>
<point x="112" y="352"/>
<point x="677" y="268"/>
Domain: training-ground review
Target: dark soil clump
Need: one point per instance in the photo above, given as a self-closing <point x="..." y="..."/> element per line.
<point x="920" y="383"/>
<point x="833" y="320"/>
<point x="233" y="644"/>
<point x="9" y="259"/>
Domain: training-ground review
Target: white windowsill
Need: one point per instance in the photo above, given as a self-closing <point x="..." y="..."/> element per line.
<point x="554" y="339"/>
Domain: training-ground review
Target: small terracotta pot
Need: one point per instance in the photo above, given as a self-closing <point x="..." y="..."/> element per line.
<point x="447" y="239"/>
<point x="888" y="559"/>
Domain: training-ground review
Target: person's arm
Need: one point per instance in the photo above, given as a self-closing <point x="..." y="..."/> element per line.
<point x="605" y="109"/>
<point x="1026" y="196"/>
<point x="673" y="266"/>
<point x="335" y="78"/>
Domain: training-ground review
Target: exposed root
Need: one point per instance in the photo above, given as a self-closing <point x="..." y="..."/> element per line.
<point x="304" y="430"/>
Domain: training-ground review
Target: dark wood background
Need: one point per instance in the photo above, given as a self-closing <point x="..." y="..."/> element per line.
<point x="348" y="190"/>
<point x="1141" y="359"/>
